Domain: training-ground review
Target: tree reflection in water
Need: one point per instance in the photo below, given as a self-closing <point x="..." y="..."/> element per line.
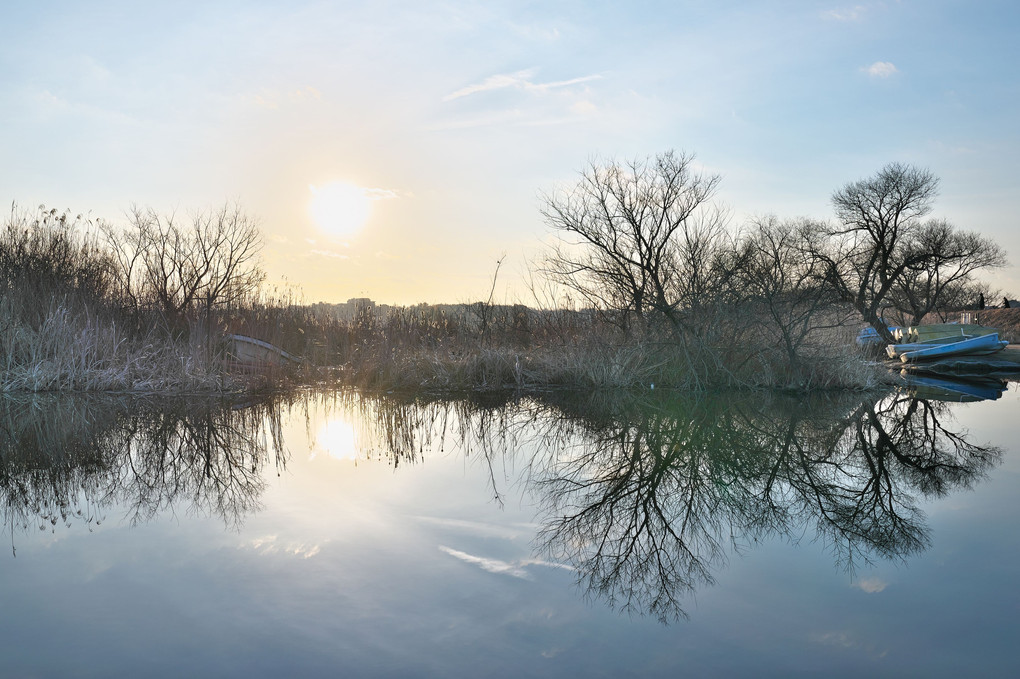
<point x="68" y="459"/>
<point x="647" y="503"/>
<point x="645" y="496"/>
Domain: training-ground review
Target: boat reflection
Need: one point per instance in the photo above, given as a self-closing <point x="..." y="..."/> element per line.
<point x="961" y="390"/>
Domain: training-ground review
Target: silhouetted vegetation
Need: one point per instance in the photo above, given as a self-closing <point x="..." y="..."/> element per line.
<point x="649" y="287"/>
<point x="776" y="303"/>
<point x="883" y="254"/>
<point x="83" y="309"/>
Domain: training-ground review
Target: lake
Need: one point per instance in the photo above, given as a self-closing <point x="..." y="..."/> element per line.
<point x="651" y="534"/>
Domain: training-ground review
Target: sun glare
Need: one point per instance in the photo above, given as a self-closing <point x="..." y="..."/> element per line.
<point x="337" y="439"/>
<point x="339" y="208"/>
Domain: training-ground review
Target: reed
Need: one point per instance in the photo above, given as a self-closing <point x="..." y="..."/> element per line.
<point x="378" y="355"/>
<point x="75" y="351"/>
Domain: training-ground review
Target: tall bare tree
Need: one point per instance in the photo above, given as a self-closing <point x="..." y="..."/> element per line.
<point x="882" y="252"/>
<point x="637" y="237"/>
<point x="873" y="245"/>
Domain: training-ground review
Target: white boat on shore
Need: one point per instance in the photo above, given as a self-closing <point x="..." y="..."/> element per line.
<point x="251" y="351"/>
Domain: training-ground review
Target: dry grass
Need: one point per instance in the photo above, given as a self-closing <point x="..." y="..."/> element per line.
<point x="72" y="348"/>
<point x="75" y="351"/>
<point x="597" y="364"/>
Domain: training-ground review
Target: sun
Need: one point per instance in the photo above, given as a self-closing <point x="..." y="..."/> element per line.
<point x="339" y="208"/>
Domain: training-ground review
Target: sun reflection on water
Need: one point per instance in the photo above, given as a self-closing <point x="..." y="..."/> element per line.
<point x="336" y="438"/>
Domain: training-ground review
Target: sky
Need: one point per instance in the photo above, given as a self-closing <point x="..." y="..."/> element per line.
<point x="398" y="150"/>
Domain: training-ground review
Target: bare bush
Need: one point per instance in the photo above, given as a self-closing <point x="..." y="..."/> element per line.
<point x="187" y="271"/>
<point x="777" y="281"/>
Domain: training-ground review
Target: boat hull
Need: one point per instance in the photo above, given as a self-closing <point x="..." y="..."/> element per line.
<point x="896" y="350"/>
<point x="982" y="345"/>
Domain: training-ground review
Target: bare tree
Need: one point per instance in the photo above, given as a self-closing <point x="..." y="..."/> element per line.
<point x="636" y="237"/>
<point x="882" y="242"/>
<point x="944" y="277"/>
<point x="187" y="270"/>
<point x="873" y="246"/>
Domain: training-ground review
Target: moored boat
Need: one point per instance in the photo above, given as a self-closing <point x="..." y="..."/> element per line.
<point x="896" y="350"/>
<point x="251" y="351"/>
<point x="972" y="346"/>
<point x="868" y="336"/>
<point x="940" y="332"/>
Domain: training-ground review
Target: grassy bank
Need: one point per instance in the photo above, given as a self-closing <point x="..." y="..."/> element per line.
<point x="74" y="347"/>
<point x="450" y="349"/>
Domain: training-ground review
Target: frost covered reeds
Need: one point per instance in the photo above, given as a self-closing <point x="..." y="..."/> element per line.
<point x="71" y="351"/>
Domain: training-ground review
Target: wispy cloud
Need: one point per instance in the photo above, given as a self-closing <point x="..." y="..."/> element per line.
<point x="520" y="80"/>
<point x="380" y="194"/>
<point x="855" y="13"/>
<point x="871" y="585"/>
<point x="490" y="565"/>
<point x="478" y="527"/>
<point x="270" y="544"/>
<point x="330" y="253"/>
<point x="841" y="639"/>
<point x="514" y="568"/>
<point x="541" y="87"/>
<point x="881" y="69"/>
<point x="848" y="640"/>
<point x="548" y="564"/>
<point x="493" y="82"/>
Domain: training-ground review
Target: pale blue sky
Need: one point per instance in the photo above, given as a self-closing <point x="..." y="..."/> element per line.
<point x="459" y="114"/>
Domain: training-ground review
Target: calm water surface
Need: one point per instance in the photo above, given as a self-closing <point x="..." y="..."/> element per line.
<point x="643" y="535"/>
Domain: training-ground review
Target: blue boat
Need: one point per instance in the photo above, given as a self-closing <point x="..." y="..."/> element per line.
<point x="973" y="346"/>
<point x="894" y="351"/>
<point x="868" y="336"/>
